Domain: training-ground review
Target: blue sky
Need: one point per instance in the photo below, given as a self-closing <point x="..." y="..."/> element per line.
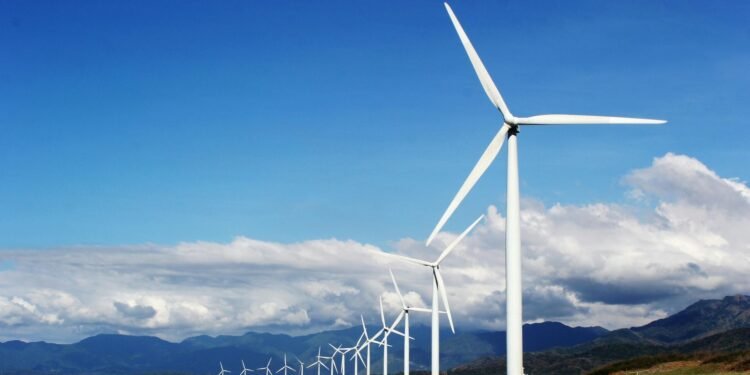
<point x="150" y="121"/>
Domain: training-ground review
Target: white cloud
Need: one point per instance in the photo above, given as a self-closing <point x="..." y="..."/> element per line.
<point x="598" y="264"/>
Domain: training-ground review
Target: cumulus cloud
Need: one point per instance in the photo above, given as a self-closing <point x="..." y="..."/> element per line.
<point x="682" y="237"/>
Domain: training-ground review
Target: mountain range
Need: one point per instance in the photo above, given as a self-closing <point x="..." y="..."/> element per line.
<point x="707" y="326"/>
<point x="705" y="330"/>
<point x="121" y="354"/>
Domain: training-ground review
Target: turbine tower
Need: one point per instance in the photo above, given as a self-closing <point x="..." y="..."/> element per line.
<point x="438" y="286"/>
<point x="286" y="367"/>
<point x="222" y="371"/>
<point x="509" y="129"/>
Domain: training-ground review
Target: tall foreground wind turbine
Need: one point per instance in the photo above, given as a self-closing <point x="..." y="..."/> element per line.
<point x="510" y="129"/>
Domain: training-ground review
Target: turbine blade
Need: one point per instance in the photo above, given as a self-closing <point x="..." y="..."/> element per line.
<point x="444" y="295"/>
<point x="375" y="336"/>
<point x="396" y="322"/>
<point x="408" y="259"/>
<point x="484" y="77"/>
<point x="458" y="239"/>
<point x="585" y="120"/>
<point x="364" y="328"/>
<point x="359" y="355"/>
<point x="395" y="285"/>
<point x="382" y="314"/>
<point x="484" y="162"/>
<point x="420" y="309"/>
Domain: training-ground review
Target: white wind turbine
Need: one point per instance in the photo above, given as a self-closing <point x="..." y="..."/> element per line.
<point x="387" y="332"/>
<point x="245" y="370"/>
<point x="222" y="372"/>
<point x="405" y="309"/>
<point x="510" y="129"/>
<point x="332" y="359"/>
<point x="438" y="286"/>
<point x="286" y="367"/>
<point x="357" y="348"/>
<point x="318" y="362"/>
<point x="267" y="369"/>
<point x="342" y="351"/>
<point x="301" y="366"/>
<point x="368" y="341"/>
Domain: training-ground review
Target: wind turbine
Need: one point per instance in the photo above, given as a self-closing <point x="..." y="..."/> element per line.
<point x="509" y="129"/>
<point x="342" y="351"/>
<point x="438" y="286"/>
<point x="318" y="362"/>
<point x="301" y="366"/>
<point x="368" y="342"/>
<point x="245" y="370"/>
<point x="386" y="332"/>
<point x="285" y="368"/>
<point x="356" y="354"/>
<point x="332" y="359"/>
<point x="405" y="313"/>
<point x="267" y="368"/>
<point x="222" y="372"/>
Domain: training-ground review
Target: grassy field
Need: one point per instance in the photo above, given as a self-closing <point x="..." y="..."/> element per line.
<point x="685" y="368"/>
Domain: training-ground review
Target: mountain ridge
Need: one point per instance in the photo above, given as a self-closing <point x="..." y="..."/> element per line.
<point x="714" y="326"/>
<point x="123" y="354"/>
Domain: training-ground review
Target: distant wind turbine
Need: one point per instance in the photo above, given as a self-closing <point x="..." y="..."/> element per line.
<point x="318" y="363"/>
<point x="368" y="341"/>
<point x="438" y="287"/>
<point x="510" y="129"/>
<point x="356" y="349"/>
<point x="301" y="366"/>
<point x="222" y="372"/>
<point x="285" y="368"/>
<point x="332" y="359"/>
<point x="245" y="370"/>
<point x="405" y="314"/>
<point x="342" y="352"/>
<point x="267" y="369"/>
<point x="387" y="330"/>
